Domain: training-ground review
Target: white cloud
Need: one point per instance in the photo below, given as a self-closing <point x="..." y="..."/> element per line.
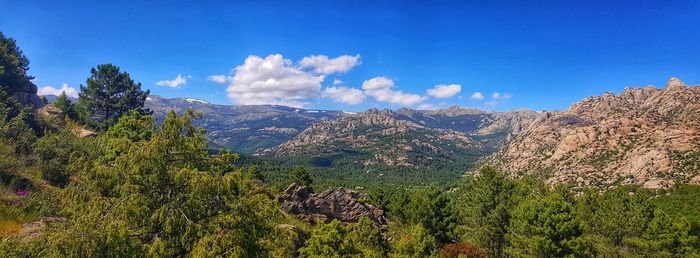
<point x="377" y="83"/>
<point x="442" y="91"/>
<point x="477" y="96"/>
<point x="272" y="80"/>
<point x="381" y="89"/>
<point x="174" y="83"/>
<point x="345" y="95"/>
<point x="221" y="79"/>
<point x="48" y="90"/>
<point x="497" y="95"/>
<point x="337" y="81"/>
<point x="323" y="65"/>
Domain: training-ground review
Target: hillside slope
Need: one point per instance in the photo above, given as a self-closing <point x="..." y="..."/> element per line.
<point x="406" y="138"/>
<point x="244" y="128"/>
<point x="645" y="136"/>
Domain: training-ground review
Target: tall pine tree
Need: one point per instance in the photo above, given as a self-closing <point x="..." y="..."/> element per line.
<point x="110" y="93"/>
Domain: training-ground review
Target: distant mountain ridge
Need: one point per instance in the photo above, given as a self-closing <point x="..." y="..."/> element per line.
<point x="404" y="137"/>
<point x="409" y="138"/>
<point x="244" y="128"/>
<point x="644" y="136"/>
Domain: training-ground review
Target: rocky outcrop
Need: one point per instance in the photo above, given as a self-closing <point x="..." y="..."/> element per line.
<point x="644" y="136"/>
<point x="49" y="111"/>
<point x="27" y="96"/>
<point x="339" y="203"/>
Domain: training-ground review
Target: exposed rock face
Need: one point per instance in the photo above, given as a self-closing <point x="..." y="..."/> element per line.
<point x="340" y="203"/>
<point x="27" y="96"/>
<point x="380" y="138"/>
<point x="24" y="91"/>
<point x="644" y="136"/>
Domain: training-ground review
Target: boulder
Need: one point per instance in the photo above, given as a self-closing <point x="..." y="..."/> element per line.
<point x="339" y="203"/>
<point x="49" y="111"/>
<point x="83" y="133"/>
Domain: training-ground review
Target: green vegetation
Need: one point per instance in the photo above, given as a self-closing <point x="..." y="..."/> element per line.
<point x="108" y="94"/>
<point x="143" y="189"/>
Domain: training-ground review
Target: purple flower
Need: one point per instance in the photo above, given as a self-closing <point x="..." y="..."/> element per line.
<point x="22" y="193"/>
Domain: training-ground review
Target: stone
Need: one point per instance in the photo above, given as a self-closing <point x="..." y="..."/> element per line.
<point x="338" y="203"/>
<point x="49" y="111"/>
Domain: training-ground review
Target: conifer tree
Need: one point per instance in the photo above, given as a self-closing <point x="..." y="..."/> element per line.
<point x="110" y="93"/>
<point x="545" y="227"/>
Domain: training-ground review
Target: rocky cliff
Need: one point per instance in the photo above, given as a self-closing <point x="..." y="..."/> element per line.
<point x="340" y="203"/>
<point x="644" y="136"/>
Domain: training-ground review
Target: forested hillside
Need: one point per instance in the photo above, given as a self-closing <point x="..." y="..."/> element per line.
<point x="101" y="178"/>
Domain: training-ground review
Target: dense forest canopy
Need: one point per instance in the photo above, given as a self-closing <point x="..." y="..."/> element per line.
<point x="142" y="188"/>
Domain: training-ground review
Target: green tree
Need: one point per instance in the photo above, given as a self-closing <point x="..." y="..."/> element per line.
<point x="329" y="240"/>
<point x="13" y="66"/>
<point x="367" y="238"/>
<point x="667" y="237"/>
<point x="619" y="213"/>
<point x="484" y="209"/>
<point x="300" y="176"/>
<point x="64" y="104"/>
<point x="545" y="227"/>
<point x="110" y="93"/>
<point x="160" y="193"/>
<point x="430" y="207"/>
<point x="416" y="241"/>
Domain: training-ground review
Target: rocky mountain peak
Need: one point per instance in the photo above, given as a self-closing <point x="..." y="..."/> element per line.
<point x="645" y="136"/>
<point x="675" y="83"/>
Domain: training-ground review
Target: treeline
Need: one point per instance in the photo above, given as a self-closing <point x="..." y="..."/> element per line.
<point x="146" y="189"/>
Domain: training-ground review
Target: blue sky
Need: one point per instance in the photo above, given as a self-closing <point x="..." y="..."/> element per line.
<point x="387" y="54"/>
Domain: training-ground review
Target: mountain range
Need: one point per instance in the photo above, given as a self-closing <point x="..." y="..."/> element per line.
<point x="645" y="136"/>
<point x="405" y="137"/>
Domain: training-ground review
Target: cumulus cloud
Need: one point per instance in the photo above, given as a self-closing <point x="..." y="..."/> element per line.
<point x="273" y="80"/>
<point x="377" y="83"/>
<point x="321" y="64"/>
<point x="477" y="96"/>
<point x="497" y="95"/>
<point x="48" y="90"/>
<point x="337" y="81"/>
<point x="221" y="79"/>
<point x="345" y="95"/>
<point x="174" y="83"/>
<point x="381" y="89"/>
<point x="443" y="91"/>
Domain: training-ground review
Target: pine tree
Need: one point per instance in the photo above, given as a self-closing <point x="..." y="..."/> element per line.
<point x="13" y="65"/>
<point x="300" y="176"/>
<point x="64" y="104"/>
<point x="109" y="93"/>
<point x="667" y="237"/>
<point x="545" y="227"/>
<point x="485" y="210"/>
